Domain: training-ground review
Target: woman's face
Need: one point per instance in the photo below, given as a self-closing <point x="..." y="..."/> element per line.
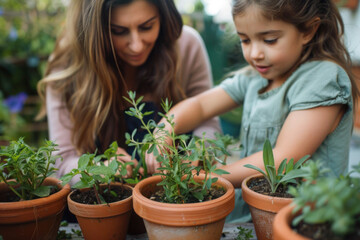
<point x="134" y="30"/>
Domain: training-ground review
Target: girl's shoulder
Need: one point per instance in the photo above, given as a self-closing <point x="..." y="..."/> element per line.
<point x="318" y="83"/>
<point x="320" y="68"/>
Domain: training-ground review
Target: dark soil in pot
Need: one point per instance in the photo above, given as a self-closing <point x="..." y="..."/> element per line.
<point x="12" y="197"/>
<point x="261" y="185"/>
<point x="88" y="197"/>
<point x="323" y="232"/>
<point x="214" y="192"/>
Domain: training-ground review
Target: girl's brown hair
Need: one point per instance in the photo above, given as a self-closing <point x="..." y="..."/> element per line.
<point x="85" y="71"/>
<point x="327" y="43"/>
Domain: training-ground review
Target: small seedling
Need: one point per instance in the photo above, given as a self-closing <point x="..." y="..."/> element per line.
<point x="244" y="234"/>
<point x="94" y="172"/>
<point x="287" y="172"/>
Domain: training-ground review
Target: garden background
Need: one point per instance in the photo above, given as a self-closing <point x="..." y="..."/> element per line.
<point x="28" y="31"/>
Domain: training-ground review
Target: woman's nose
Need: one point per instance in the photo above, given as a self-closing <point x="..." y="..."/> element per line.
<point x="135" y="43"/>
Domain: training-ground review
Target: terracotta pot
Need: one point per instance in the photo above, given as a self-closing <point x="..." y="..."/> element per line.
<point x="262" y="208"/>
<point x="282" y="223"/>
<point x="103" y="221"/>
<point x="182" y="221"/>
<point x="33" y="219"/>
<point x="136" y="224"/>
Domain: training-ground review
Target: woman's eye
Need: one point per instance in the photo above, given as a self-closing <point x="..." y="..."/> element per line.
<point x="118" y="32"/>
<point x="270" y="41"/>
<point x="145" y="28"/>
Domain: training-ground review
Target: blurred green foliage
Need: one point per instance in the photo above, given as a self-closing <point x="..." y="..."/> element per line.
<point x="29" y="29"/>
<point x="28" y="34"/>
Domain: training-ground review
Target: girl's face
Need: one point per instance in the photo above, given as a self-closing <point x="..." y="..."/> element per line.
<point x="134" y="30"/>
<point x="271" y="47"/>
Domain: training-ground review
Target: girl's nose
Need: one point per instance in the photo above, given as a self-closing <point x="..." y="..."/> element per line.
<point x="256" y="52"/>
<point x="135" y="43"/>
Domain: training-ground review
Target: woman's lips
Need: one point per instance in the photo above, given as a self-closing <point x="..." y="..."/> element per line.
<point x="135" y="57"/>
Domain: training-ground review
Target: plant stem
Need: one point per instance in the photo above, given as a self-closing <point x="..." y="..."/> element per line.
<point x="97" y="194"/>
<point x="10" y="187"/>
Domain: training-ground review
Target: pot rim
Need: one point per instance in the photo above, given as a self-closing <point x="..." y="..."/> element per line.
<point x="261" y="201"/>
<point x="281" y="225"/>
<point x="172" y="214"/>
<point x="100" y="210"/>
<point x="63" y="192"/>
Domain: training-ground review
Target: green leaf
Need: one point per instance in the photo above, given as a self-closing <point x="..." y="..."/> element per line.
<point x="290" y="165"/>
<point x="255" y="168"/>
<point x="83" y="162"/>
<point x="66" y="178"/>
<point x="99" y="170"/>
<point x="268" y="156"/>
<point x="282" y="166"/>
<point x="296" y="173"/>
<point x="301" y="161"/>
<point x="220" y="171"/>
<point x="42" y="191"/>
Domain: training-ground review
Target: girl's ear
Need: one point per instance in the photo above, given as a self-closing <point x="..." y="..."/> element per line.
<point x="312" y="27"/>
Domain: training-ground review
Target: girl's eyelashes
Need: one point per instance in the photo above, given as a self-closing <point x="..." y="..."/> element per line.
<point x="244" y="41"/>
<point x="267" y="41"/>
<point x="270" y="41"/>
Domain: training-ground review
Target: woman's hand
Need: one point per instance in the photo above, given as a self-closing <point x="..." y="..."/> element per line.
<point x="151" y="163"/>
<point x="125" y="157"/>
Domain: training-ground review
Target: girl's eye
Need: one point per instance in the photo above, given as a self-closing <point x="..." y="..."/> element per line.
<point x="244" y="41"/>
<point x="270" y="41"/>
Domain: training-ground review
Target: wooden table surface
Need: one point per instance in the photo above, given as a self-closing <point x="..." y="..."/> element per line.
<point x="230" y="231"/>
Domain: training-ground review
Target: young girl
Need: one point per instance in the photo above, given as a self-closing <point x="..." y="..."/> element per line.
<point x="297" y="90"/>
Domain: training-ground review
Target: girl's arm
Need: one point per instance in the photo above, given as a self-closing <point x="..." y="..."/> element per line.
<point x="302" y="133"/>
<point x="190" y="113"/>
<point x="196" y="76"/>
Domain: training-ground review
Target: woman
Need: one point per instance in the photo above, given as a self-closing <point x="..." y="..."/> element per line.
<point x="107" y="48"/>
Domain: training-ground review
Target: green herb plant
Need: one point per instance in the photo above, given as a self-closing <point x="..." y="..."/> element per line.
<point x="288" y="172"/>
<point x="244" y="233"/>
<point x="24" y="169"/>
<point x="331" y="200"/>
<point x="176" y="153"/>
<point x="94" y="172"/>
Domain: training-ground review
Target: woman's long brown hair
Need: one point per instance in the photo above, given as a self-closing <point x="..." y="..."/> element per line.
<point x="86" y="73"/>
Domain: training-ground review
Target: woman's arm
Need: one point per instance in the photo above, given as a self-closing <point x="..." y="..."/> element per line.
<point x="60" y="132"/>
<point x="302" y="133"/>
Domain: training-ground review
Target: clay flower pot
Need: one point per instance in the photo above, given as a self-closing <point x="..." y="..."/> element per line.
<point x="170" y="221"/>
<point x="136" y="224"/>
<point x="103" y="221"/>
<point x="282" y="225"/>
<point x="262" y="208"/>
<point x="33" y="219"/>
